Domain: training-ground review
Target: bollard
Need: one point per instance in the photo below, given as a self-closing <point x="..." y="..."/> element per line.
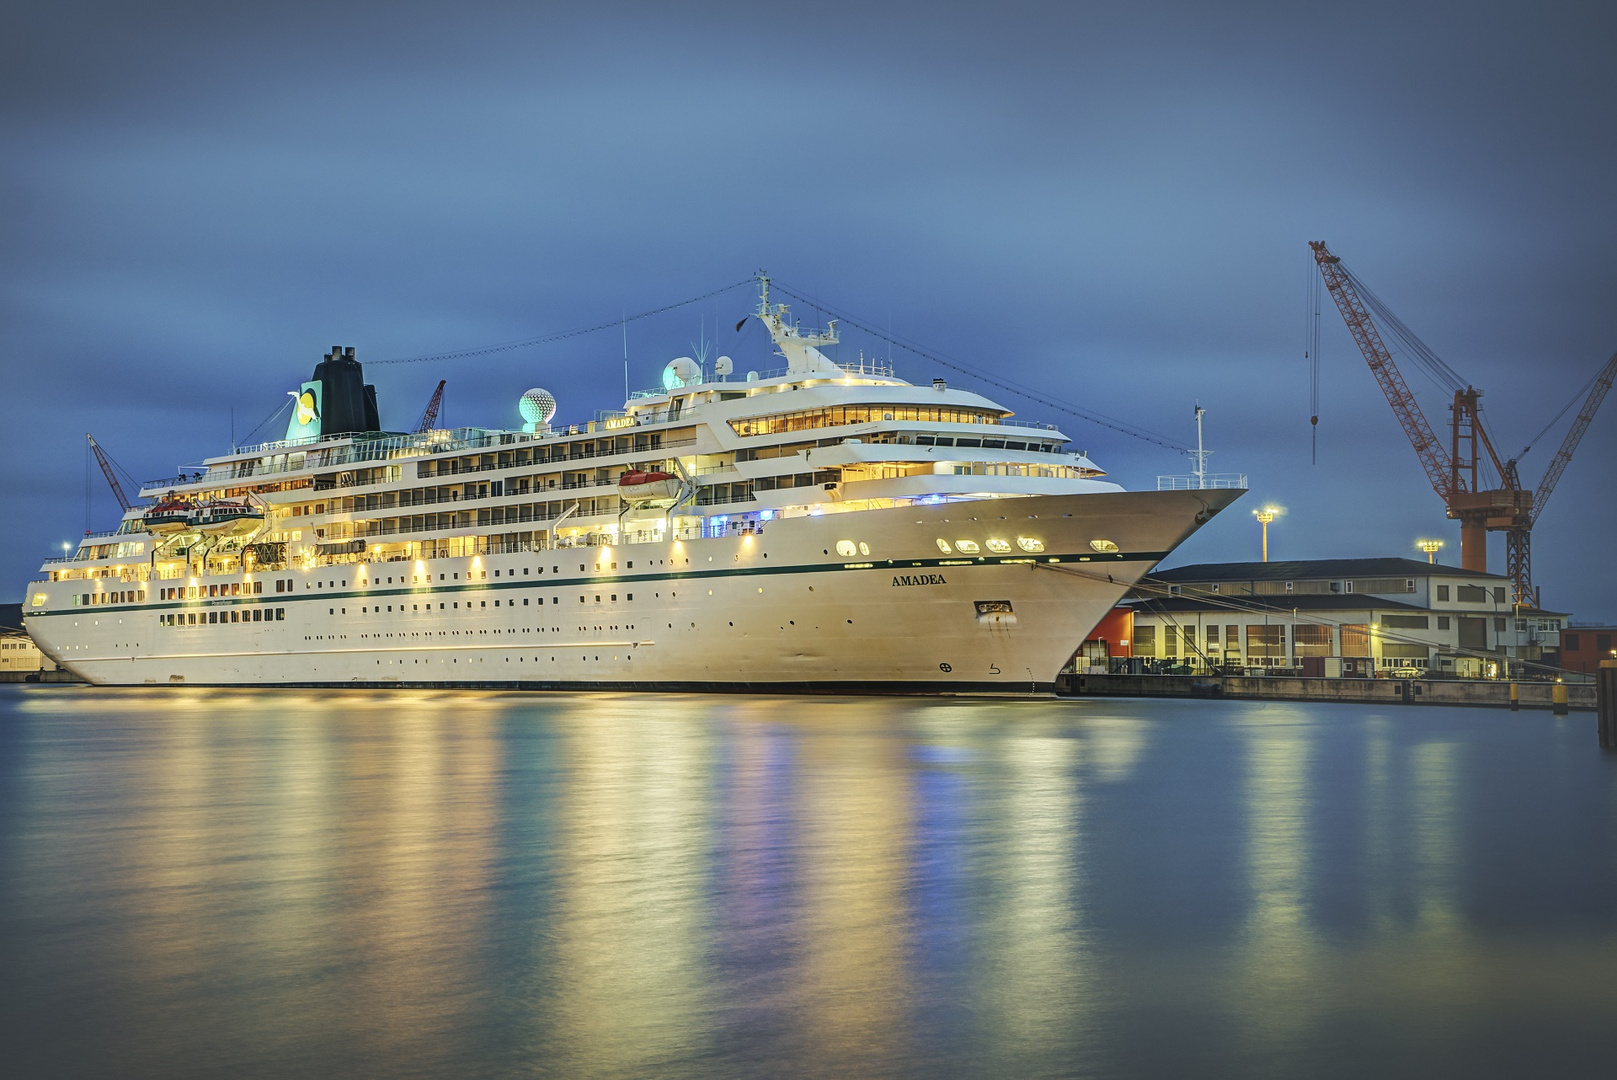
<point x="1515" y="697"/>
<point x="1606" y="693"/>
<point x="1558" y="698"/>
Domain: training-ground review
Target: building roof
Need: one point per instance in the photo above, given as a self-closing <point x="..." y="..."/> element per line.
<point x="1309" y="569"/>
<point x="1266" y="605"/>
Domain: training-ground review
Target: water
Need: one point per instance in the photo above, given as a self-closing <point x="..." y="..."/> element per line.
<point x="207" y="884"/>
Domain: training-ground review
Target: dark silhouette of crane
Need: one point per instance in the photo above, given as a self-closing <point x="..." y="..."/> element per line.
<point x="1455" y="472"/>
<point x="106" y="470"/>
<point x="429" y="415"/>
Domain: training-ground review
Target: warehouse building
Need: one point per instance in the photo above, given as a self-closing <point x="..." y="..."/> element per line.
<point x="1334" y="617"/>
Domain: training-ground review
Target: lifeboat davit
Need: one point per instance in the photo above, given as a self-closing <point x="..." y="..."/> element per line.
<point x="224" y="517"/>
<point x="645" y="488"/>
<point x="167" y="518"/>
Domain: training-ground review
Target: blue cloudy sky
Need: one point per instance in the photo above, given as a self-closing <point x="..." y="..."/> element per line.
<point x="1107" y="201"/>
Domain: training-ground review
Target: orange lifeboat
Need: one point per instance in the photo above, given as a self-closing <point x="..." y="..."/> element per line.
<point x="645" y="488"/>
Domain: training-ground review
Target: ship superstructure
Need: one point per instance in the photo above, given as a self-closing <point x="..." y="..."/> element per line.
<point x="822" y="525"/>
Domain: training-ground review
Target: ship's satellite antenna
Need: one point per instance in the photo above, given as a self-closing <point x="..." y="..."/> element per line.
<point x="538" y="408"/>
<point x="723" y="366"/>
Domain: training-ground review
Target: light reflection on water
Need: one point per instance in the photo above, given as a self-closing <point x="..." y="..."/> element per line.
<point x="414" y="884"/>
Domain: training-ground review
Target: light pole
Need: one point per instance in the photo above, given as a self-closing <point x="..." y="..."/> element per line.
<point x="1431" y="547"/>
<point x="1264" y="516"/>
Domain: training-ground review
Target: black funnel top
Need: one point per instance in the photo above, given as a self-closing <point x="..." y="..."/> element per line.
<point x="347" y="404"/>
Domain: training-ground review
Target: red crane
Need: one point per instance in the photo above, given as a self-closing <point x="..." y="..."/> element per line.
<point x="106" y="470"/>
<point x="1454" y="472"/>
<point x="429" y="416"/>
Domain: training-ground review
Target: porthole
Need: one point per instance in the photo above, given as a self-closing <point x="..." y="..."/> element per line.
<point x="1028" y="543"/>
<point x="943" y="546"/>
<point x="1105" y="546"/>
<point x="846" y="549"/>
<point x="864" y="548"/>
<point x="967" y="547"/>
<point x="998" y="546"/>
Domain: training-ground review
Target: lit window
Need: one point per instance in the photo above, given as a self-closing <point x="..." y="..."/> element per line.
<point x="943" y="546"/>
<point x="1028" y="543"/>
<point x="1104" y="546"/>
<point x="846" y="549"/>
<point x="864" y="548"/>
<point x="998" y="546"/>
<point x="967" y="547"/>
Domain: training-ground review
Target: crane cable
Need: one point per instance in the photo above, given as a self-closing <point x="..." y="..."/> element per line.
<point x="1311" y="354"/>
<point x="1432" y="365"/>
<point x="1583" y="392"/>
<point x="1007" y="385"/>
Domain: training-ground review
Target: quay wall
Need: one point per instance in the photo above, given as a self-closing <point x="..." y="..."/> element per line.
<point x="1533" y="695"/>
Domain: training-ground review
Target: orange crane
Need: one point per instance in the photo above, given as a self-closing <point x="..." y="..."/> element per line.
<point x="112" y="477"/>
<point x="1455" y="471"/>
<point x="429" y="415"/>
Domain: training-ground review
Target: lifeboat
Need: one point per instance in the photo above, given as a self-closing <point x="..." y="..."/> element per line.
<point x="644" y="488"/>
<point x="224" y="517"/>
<point x="167" y="518"/>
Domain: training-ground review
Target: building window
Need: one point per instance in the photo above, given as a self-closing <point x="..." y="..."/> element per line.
<point x="1571" y="642"/>
<point x="1442" y="592"/>
<point x="1499" y="594"/>
<point x="1602" y="643"/>
<point x="1145" y="640"/>
<point x="1499" y="625"/>
<point x="1442" y="622"/>
<point x="1471" y="594"/>
<point x="1265" y="642"/>
<point x="1312" y="640"/>
<point x="1355" y="639"/>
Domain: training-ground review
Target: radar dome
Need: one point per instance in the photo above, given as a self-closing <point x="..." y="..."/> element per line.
<point x="723" y="366"/>
<point x="681" y="372"/>
<point x="537" y="407"/>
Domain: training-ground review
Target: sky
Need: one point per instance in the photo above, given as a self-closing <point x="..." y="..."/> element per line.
<point x="1108" y="202"/>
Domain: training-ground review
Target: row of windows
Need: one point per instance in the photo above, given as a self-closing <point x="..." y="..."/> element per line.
<point x="455" y="605"/>
<point x="121" y="596"/>
<point x="228" y="588"/>
<point x="808" y="419"/>
<point x="209" y="618"/>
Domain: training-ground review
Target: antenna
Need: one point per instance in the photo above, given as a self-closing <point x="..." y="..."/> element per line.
<point x="1200" y="455"/>
<point x="624" y="314"/>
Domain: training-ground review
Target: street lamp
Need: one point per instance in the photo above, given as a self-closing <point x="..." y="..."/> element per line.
<point x="1431" y="547"/>
<point x="1264" y="516"/>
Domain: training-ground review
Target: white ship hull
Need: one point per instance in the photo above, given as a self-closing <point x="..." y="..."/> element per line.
<point x="776" y="610"/>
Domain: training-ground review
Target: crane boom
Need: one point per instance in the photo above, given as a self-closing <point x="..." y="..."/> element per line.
<point x="1552" y="475"/>
<point x="106" y="470"/>
<point x="429" y="416"/>
<point x="1433" y="458"/>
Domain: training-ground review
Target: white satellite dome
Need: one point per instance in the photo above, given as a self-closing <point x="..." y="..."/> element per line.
<point x="683" y="371"/>
<point x="723" y="366"/>
<point x="537" y="407"/>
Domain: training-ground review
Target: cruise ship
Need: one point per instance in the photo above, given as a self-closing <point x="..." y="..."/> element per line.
<point x="821" y="526"/>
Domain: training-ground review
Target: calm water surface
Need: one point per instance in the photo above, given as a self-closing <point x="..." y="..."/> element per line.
<point x="212" y="884"/>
